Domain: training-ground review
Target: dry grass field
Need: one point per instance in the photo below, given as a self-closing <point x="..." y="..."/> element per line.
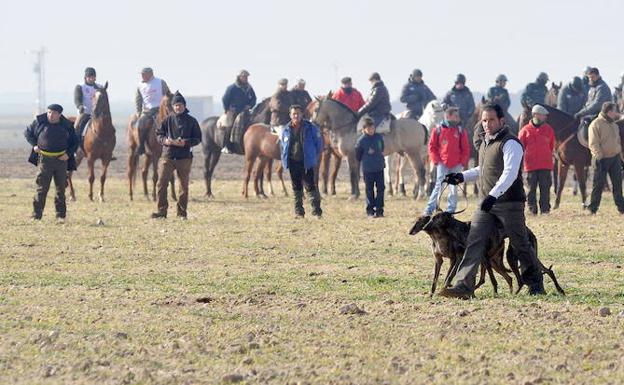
<point x="243" y="292"/>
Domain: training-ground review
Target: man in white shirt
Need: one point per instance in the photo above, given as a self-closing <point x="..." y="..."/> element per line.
<point x="499" y="179"/>
<point x="147" y="99"/>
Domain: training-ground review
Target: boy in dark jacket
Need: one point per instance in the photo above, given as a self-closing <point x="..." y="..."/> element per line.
<point x="177" y="134"/>
<point x="369" y="152"/>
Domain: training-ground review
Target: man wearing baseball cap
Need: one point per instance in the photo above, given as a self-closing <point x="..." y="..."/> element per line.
<point x="238" y="97"/>
<point x="147" y="99"/>
<point x="538" y="139"/>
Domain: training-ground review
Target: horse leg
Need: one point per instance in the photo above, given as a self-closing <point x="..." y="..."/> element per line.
<point x="354" y="176"/>
<point x="280" y="174"/>
<point x="436" y="274"/>
<point x="131" y="170"/>
<point x="324" y="170"/>
<point x="210" y="163"/>
<point x="555" y="173"/>
<point x="147" y="161"/>
<point x="579" y="171"/>
<point x="334" y="174"/>
<point x="419" y="173"/>
<point x="103" y="178"/>
<point x="258" y="176"/>
<point x="269" y="170"/>
<point x="563" y="174"/>
<point x="70" y="183"/>
<point x="90" y="166"/>
<point x="399" y="176"/>
<point x="249" y="162"/>
<point x="387" y="176"/>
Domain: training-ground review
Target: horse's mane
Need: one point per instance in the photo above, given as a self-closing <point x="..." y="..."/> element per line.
<point x="561" y="122"/>
<point x="260" y="106"/>
<point x="343" y="106"/>
<point x="102" y="107"/>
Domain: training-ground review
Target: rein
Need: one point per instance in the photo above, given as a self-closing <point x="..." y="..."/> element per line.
<point x="444" y="186"/>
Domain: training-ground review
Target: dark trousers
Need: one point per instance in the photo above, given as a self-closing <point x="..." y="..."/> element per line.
<point x="603" y="167"/>
<point x="543" y="179"/>
<point x="300" y="179"/>
<point x="166" y="167"/>
<point x="511" y="215"/>
<point x="374" y="203"/>
<point x="50" y="168"/>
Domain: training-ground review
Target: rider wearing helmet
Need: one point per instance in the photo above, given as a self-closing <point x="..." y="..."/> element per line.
<point x="416" y="94"/>
<point x="535" y="92"/>
<point x="461" y="97"/>
<point x="83" y="99"/>
<point x="499" y="94"/>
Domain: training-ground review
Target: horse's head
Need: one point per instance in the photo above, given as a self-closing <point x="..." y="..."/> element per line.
<point x="100" y="101"/>
<point x="165" y="103"/>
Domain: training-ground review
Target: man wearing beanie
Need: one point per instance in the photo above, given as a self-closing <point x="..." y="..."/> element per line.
<point x="461" y="97"/>
<point x="177" y="134"/>
<point x="83" y="99"/>
<point x="416" y="94"/>
<point x="538" y="139"/>
<point x="54" y="142"/>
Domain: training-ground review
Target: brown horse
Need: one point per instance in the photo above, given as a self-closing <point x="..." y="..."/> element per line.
<point x="153" y="149"/>
<point x="329" y="152"/>
<point x="98" y="143"/>
<point x="261" y="143"/>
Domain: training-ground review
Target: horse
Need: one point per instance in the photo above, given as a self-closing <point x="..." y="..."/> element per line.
<point x="569" y="151"/>
<point x="153" y="149"/>
<point x="98" y="142"/>
<point x="407" y="136"/>
<point x="553" y="94"/>
<point x="211" y="134"/>
<point x="260" y="142"/>
<point x="328" y="179"/>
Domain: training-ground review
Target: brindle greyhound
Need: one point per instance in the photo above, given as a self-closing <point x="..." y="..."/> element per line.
<point x="448" y="240"/>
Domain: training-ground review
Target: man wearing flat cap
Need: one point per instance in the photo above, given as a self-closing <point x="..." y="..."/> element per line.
<point x="377" y="105"/>
<point x="279" y="105"/>
<point x="83" y="99"/>
<point x="238" y="97"/>
<point x="299" y="95"/>
<point x="538" y="139"/>
<point x="147" y="99"/>
<point x="177" y="134"/>
<point x="54" y="143"/>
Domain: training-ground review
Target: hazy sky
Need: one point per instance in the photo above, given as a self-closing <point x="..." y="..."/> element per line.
<point x="199" y="46"/>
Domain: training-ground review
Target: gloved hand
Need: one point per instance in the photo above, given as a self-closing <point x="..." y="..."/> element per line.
<point x="488" y="203"/>
<point x="454" y="178"/>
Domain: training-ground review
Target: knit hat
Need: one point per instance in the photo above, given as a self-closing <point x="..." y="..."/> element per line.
<point x="374" y="76"/>
<point x="537" y="109"/>
<point x="416" y="72"/>
<point x="542" y="77"/>
<point x="89" y="71"/>
<point x="56" y="107"/>
<point x="461" y="78"/>
<point x="501" y="78"/>
<point x="178" y="98"/>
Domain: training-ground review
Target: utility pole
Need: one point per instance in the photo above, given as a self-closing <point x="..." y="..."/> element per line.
<point x="39" y="70"/>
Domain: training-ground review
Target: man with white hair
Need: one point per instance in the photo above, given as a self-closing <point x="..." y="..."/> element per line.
<point x="538" y="139"/>
<point x="147" y="99"/>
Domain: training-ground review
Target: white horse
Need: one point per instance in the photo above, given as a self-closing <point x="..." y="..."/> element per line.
<point x="433" y="115"/>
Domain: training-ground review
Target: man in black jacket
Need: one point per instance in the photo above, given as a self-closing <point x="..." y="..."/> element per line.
<point x="378" y="103"/>
<point x="177" y="134"/>
<point x="54" y="142"/>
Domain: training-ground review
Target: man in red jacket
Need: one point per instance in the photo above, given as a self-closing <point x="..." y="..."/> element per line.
<point x="348" y="95"/>
<point x="538" y="139"/>
<point x="449" y="151"/>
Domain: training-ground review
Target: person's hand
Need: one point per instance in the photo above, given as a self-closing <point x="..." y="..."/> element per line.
<point x="81" y="110"/>
<point x="64" y="157"/>
<point x="454" y="178"/>
<point x="487" y="203"/>
<point x="168" y="142"/>
<point x="180" y="142"/>
<point x="36" y="149"/>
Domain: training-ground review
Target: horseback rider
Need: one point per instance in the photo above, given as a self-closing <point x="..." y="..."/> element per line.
<point x="83" y="99"/>
<point x="572" y="97"/>
<point x="585" y="80"/>
<point x="377" y="105"/>
<point x="461" y="97"/>
<point x="279" y="105"/>
<point x="238" y="97"/>
<point x="299" y="95"/>
<point x="147" y="99"/>
<point x="349" y="95"/>
<point x="535" y="92"/>
<point x="599" y="93"/>
<point x="499" y="94"/>
<point x="416" y="95"/>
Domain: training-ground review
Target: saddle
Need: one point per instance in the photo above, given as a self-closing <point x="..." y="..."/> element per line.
<point x="582" y="133"/>
<point x="238" y="128"/>
<point x="384" y="126"/>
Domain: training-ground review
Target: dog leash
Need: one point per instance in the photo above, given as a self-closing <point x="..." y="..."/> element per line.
<point x="463" y="192"/>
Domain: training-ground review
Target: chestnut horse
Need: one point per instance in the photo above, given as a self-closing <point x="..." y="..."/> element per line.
<point x="153" y="149"/>
<point x="98" y="142"/>
<point x="261" y="143"/>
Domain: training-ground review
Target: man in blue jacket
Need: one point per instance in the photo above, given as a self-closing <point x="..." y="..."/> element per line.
<point x="572" y="97"/>
<point x="238" y="97"/>
<point x="302" y="145"/>
<point x="461" y="97"/>
<point x="416" y="94"/>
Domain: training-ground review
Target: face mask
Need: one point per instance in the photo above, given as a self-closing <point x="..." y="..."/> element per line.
<point x="537" y="122"/>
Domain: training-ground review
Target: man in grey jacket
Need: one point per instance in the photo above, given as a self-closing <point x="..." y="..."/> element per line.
<point x="599" y="93"/>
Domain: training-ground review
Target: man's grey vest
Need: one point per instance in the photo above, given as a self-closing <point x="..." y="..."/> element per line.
<point x="491" y="165"/>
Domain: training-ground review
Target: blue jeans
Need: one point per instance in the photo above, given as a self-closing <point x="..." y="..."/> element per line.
<point x="442" y="170"/>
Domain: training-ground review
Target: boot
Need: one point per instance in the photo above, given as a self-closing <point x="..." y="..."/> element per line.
<point x="316" y="203"/>
<point x="299" y="211"/>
